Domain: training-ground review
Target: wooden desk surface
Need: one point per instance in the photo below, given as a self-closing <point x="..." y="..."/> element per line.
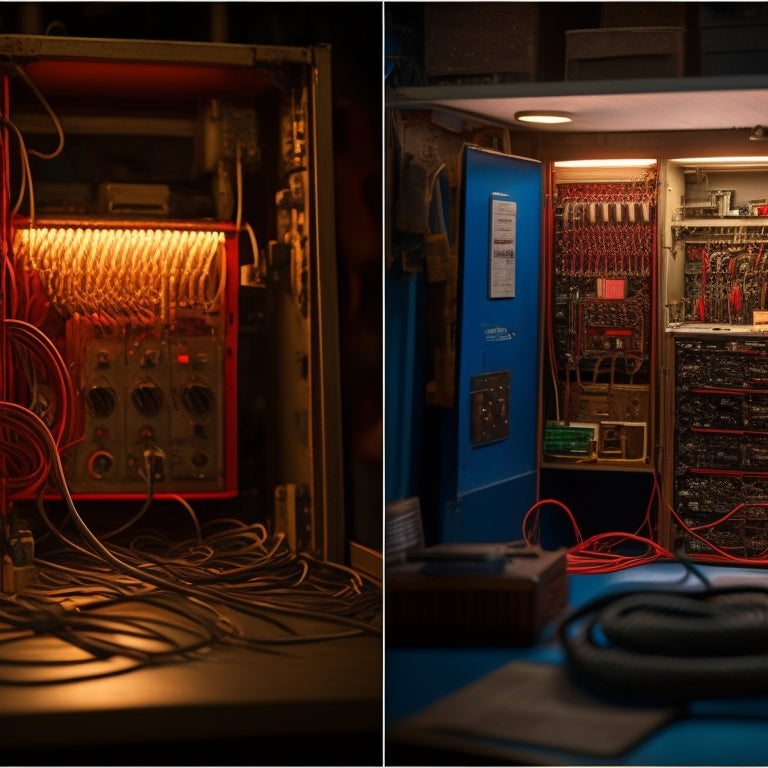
<point x="328" y="692"/>
<point x="251" y="670"/>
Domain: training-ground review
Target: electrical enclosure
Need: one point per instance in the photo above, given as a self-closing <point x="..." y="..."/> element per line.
<point x="717" y="351"/>
<point x="168" y="230"/>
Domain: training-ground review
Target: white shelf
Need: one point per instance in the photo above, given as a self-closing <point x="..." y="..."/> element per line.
<point x="725" y="221"/>
<point x="716" y="329"/>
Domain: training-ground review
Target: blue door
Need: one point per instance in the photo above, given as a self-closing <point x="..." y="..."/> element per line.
<point x="489" y="475"/>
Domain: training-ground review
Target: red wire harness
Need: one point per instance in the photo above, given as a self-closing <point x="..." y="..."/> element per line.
<point x="24" y="458"/>
<point x="24" y="455"/>
<point x="30" y="343"/>
<point x="718" y="554"/>
<point x="606" y="552"/>
<point x="600" y="553"/>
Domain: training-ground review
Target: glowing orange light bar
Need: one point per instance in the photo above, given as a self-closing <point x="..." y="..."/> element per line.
<point x="125" y="271"/>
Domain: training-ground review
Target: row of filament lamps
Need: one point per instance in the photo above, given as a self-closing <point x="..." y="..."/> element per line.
<point x="124" y="272"/>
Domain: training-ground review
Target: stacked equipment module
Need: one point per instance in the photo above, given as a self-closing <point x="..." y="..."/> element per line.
<point x="721" y="474"/>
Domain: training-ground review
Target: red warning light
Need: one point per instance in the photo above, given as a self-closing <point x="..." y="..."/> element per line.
<point x="182" y="358"/>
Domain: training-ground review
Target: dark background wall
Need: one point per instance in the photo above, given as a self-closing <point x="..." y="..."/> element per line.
<point x="354" y="31"/>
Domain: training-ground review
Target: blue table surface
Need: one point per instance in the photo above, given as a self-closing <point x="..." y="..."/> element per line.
<point x="723" y="732"/>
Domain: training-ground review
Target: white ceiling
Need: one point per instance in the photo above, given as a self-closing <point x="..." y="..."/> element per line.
<point x="611" y="106"/>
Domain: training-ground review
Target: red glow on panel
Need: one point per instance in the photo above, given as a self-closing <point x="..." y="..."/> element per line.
<point x="145" y="80"/>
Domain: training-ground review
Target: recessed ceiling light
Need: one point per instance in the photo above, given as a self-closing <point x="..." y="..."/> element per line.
<point x="543" y="117"/>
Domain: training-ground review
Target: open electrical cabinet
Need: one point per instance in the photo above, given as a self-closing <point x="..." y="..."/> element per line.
<point x="169" y="296"/>
<point x="600" y="325"/>
<point x="653" y="304"/>
<point x="716" y="349"/>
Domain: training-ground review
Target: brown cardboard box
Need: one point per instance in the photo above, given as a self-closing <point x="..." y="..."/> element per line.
<point x="624" y="52"/>
<point x="475" y="603"/>
<point x="481" y="42"/>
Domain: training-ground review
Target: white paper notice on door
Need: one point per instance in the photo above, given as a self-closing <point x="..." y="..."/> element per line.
<point x="503" y="240"/>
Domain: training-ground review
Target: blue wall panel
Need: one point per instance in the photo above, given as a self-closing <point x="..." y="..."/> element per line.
<point x="404" y="383"/>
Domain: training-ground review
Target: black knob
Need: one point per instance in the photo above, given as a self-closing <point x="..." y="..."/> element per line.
<point x="147" y="398"/>
<point x="101" y="401"/>
<point x="197" y="398"/>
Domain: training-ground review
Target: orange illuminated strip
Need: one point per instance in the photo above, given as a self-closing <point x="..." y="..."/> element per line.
<point x="124" y="271"/>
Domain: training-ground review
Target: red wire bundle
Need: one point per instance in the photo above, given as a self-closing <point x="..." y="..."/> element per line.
<point x="600" y="553"/>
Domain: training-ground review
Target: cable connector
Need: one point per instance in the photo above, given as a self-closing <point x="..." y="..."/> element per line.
<point x="18" y="561"/>
<point x="154" y="463"/>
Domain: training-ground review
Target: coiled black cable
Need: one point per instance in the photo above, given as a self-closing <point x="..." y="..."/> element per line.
<point x="671" y="646"/>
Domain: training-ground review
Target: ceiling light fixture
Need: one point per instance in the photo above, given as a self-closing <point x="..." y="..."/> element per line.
<point x="759" y="133"/>
<point x="611" y="163"/>
<point x="728" y="160"/>
<point x="543" y="117"/>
